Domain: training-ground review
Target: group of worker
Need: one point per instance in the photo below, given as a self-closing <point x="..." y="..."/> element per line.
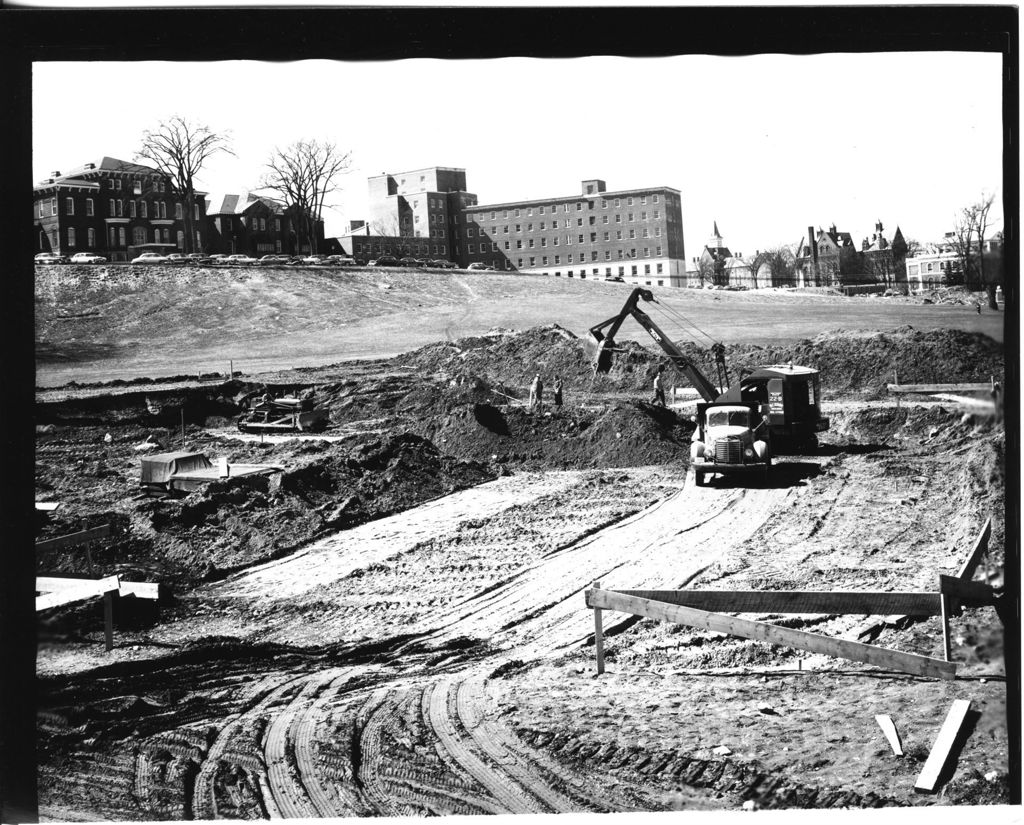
<point x="537" y="393"/>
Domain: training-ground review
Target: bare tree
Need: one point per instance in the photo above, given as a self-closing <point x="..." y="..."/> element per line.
<point x="303" y="175"/>
<point x="781" y="264"/>
<point x="968" y="239"/>
<point x="178" y="148"/>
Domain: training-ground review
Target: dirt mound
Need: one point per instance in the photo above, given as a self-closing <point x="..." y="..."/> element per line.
<point x="624" y="434"/>
<point x="849" y="360"/>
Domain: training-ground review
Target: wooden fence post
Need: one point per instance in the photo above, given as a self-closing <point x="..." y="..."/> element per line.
<point x="108" y="620"/>
<point x="598" y="636"/>
<point x="946" y="648"/>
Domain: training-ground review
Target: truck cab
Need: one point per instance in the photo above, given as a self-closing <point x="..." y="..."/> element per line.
<point x="731" y="438"/>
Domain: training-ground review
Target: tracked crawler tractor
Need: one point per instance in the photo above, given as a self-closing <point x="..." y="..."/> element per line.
<point x="289" y="415"/>
<point x="769" y="410"/>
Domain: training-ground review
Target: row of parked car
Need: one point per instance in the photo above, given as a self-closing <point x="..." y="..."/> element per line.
<point x="199" y="259"/>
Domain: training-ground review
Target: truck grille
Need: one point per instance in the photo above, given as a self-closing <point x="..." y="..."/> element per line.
<point x="728" y="450"/>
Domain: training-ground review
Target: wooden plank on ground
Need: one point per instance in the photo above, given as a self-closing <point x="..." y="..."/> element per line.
<point x="796" y="601"/>
<point x="980" y="547"/>
<point x="86" y="590"/>
<point x="889" y="729"/>
<point x="74" y="539"/>
<point x="929" y="388"/>
<point x="842" y="648"/>
<point x="965" y="591"/>
<point x="141" y="590"/>
<point x="57" y="584"/>
<point x="929" y="776"/>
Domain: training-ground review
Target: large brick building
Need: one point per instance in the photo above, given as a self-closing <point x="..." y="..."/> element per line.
<point x="411" y="213"/>
<point x="112" y="207"/>
<point x="635" y="234"/>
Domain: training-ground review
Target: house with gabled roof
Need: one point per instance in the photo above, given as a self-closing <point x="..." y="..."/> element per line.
<point x="253" y="224"/>
<point x="832" y="258"/>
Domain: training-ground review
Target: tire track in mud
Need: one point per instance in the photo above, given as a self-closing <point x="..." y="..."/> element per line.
<point x="204" y="800"/>
<point x="512" y="796"/>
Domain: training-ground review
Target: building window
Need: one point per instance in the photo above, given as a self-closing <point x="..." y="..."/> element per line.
<point x="53" y="208"/>
<point x="643" y="216"/>
<point x="90" y="237"/>
<point x="569" y="258"/>
<point x="519" y="227"/>
<point x="647" y="269"/>
<point x="607" y="254"/>
<point x="618" y="219"/>
<point x="605" y="236"/>
<point x="647" y="232"/>
<point x="655" y="198"/>
<point x="71" y="236"/>
<point x="181" y="240"/>
<point x="593" y="255"/>
<point x="558" y="259"/>
<point x="647" y="252"/>
<point x="143" y="209"/>
<point x="629" y="202"/>
<point x="633" y="270"/>
<point x="579" y="206"/>
<point x="604" y="219"/>
<point x="533" y="261"/>
<point x="544" y="261"/>
<point x="657" y="214"/>
<point x="657" y="269"/>
<point x="622" y="270"/>
<point x="657" y="232"/>
<point x="579" y="221"/>
<point x="117" y="184"/>
<point x="632" y="233"/>
<point x="543" y="241"/>
<point x="442" y="233"/>
<point x="131" y="209"/>
<point x="277" y="224"/>
<point x="163" y="209"/>
<point x="121" y="237"/>
<point x="516" y="214"/>
<point x="519" y="244"/>
<point x="530" y="243"/>
<point x="137" y="187"/>
<point x="620" y="256"/>
<point x="659" y="250"/>
<point x="554" y="241"/>
<point x="580" y="239"/>
<point x="69" y="206"/>
<point x="507" y="245"/>
<point x="120" y="209"/>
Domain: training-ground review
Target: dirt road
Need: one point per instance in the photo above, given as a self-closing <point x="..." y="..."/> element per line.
<point x="440" y="660"/>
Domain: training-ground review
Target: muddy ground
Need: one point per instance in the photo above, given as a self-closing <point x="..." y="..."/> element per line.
<point x="399" y="626"/>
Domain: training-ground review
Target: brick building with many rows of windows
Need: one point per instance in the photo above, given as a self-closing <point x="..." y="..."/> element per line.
<point x="111" y="207"/>
<point x="634" y="234"/>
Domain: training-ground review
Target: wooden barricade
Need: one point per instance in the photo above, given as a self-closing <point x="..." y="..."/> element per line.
<point x="704" y="609"/>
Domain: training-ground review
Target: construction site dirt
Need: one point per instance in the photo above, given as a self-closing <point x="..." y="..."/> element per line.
<point x="399" y="626"/>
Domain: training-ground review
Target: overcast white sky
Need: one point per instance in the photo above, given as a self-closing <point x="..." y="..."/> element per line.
<point x="764" y="145"/>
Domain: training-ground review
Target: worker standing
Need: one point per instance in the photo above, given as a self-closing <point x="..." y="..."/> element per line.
<point x="558" y="392"/>
<point x="659" y="389"/>
<point x="537" y="393"/>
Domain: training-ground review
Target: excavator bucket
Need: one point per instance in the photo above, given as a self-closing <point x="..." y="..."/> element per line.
<point x="599" y="349"/>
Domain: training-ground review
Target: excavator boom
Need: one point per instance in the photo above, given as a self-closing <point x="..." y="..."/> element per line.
<point x="603" y="337"/>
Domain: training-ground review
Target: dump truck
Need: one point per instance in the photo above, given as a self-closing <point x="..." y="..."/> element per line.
<point x="284" y="415"/>
<point x="769" y="410"/>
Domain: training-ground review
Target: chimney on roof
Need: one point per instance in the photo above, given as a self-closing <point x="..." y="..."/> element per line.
<point x="832" y="229"/>
<point x="864" y="244"/>
<point x="55" y="174"/>
<point x="90" y="166"/>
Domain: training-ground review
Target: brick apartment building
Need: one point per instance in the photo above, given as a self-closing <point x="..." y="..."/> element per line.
<point x="112" y="207"/>
<point x="635" y="234"/>
<point x="256" y="225"/>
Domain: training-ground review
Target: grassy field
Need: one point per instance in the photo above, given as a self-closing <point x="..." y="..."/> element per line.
<point x="157" y="323"/>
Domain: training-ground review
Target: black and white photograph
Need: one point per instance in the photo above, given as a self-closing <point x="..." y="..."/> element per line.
<point x="436" y="428"/>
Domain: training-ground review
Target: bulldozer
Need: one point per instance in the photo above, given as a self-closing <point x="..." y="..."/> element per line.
<point x="286" y="414"/>
<point x="770" y="410"/>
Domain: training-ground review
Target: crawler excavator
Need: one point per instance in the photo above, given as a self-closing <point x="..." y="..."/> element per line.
<point x="769" y="410"/>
